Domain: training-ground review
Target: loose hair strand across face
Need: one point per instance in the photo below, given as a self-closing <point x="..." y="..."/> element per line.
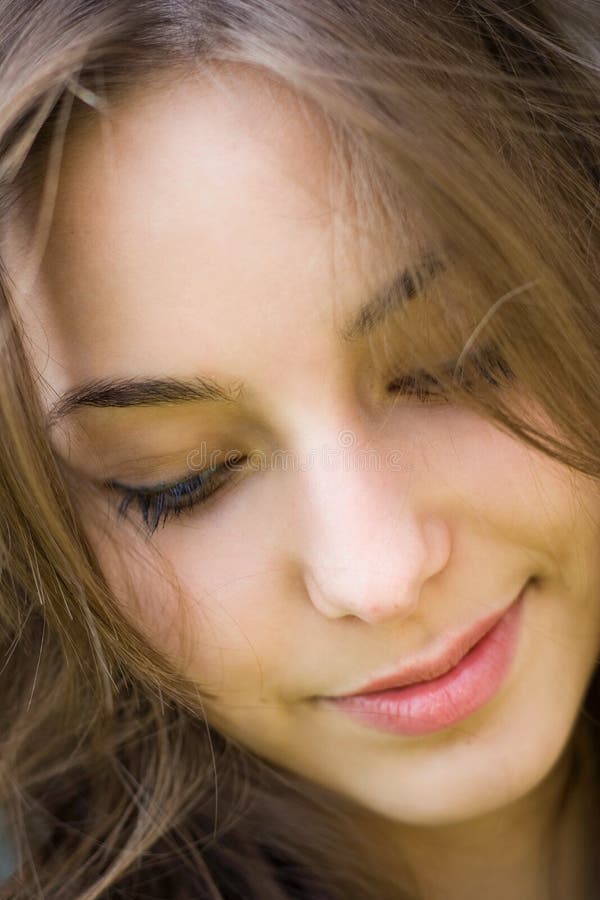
<point x="481" y="117"/>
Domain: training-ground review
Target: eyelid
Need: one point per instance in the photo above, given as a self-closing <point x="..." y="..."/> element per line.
<point x="487" y="361"/>
<point x="231" y="462"/>
<point x="160" y="485"/>
<point x="173" y="498"/>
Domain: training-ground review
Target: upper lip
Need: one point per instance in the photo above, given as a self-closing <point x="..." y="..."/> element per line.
<point x="425" y="668"/>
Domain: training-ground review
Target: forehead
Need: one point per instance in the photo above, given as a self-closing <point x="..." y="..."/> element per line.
<point x="199" y="213"/>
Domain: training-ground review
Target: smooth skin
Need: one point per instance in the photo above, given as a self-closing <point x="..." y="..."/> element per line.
<point x="197" y="231"/>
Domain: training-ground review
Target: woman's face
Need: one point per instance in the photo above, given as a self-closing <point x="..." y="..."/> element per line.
<point x="198" y="234"/>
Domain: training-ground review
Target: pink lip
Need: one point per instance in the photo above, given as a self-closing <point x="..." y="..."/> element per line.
<point x="435" y="692"/>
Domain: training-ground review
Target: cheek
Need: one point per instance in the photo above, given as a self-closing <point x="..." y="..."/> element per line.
<point x="488" y="480"/>
<point x="142" y="585"/>
<point x="241" y="600"/>
<point x="220" y="609"/>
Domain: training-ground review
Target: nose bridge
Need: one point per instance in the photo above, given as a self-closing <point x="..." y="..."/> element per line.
<point x="369" y="546"/>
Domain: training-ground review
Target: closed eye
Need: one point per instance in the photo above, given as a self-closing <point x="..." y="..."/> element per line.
<point x="158" y="503"/>
<point x="487" y="365"/>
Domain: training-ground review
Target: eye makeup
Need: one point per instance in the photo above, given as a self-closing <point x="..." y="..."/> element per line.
<point x="159" y="503"/>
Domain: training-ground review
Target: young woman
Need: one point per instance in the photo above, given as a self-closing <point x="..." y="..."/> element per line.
<point x="299" y="449"/>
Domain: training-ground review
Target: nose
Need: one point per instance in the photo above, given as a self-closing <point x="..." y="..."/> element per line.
<point x="371" y="540"/>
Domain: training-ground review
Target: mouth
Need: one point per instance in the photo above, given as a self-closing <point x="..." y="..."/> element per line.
<point x="436" y="691"/>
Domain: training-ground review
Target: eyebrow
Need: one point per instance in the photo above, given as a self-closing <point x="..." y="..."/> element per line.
<point x="151" y="391"/>
<point x="125" y="392"/>
<point x="404" y="286"/>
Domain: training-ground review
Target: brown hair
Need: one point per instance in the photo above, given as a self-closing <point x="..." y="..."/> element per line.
<point x="482" y="118"/>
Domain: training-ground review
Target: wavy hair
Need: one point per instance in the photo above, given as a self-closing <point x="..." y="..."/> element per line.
<point x="483" y="116"/>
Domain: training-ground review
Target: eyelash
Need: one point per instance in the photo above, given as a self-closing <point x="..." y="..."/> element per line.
<point x="160" y="503"/>
<point x="489" y="365"/>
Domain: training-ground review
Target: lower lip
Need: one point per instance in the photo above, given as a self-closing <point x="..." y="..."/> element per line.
<point x="430" y="706"/>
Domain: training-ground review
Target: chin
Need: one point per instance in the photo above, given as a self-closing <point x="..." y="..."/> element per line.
<point x="478" y="773"/>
